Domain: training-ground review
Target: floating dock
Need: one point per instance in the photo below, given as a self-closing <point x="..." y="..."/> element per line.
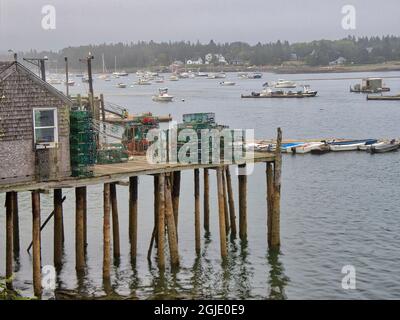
<point x="384" y="98"/>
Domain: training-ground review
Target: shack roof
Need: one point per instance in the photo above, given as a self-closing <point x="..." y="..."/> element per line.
<point x="8" y="68"/>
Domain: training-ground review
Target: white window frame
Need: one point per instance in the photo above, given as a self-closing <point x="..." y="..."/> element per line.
<point x="44" y="145"/>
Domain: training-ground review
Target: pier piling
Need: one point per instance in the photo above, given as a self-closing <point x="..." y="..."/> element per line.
<point x="171" y="226"/>
<point x="133" y="212"/>
<point x="206" y="201"/>
<point x="79" y="229"/>
<point x="226" y="210"/>
<point x="231" y="202"/>
<point x="197" y="210"/>
<point x="276" y="211"/>
<point x="37" y="278"/>
<point x="9" y="238"/>
<point x="84" y="200"/>
<point x="242" y="204"/>
<point x="221" y="214"/>
<point x="115" y="220"/>
<point x="270" y="193"/>
<point x="176" y="187"/>
<point x="106" y="233"/>
<point x="58" y="227"/>
<point x="16" y="245"/>
<point x="161" y="222"/>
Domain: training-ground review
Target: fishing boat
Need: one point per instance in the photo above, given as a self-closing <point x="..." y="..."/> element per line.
<point x="307" y="92"/>
<point x="143" y="82"/>
<point x="350" y="145"/>
<point x="370" y="85"/>
<point x="269" y="93"/>
<point x="163" y="96"/>
<point x="227" y="83"/>
<point x="305" y="148"/>
<point x="284" y="84"/>
<point x="121" y="85"/>
<point x="385" y="147"/>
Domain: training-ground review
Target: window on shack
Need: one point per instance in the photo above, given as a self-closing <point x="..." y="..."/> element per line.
<point x="45" y="127"/>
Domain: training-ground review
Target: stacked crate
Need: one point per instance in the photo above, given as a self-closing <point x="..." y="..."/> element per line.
<point x="135" y="133"/>
<point x="82" y="144"/>
<point x="112" y="153"/>
<point x="198" y="122"/>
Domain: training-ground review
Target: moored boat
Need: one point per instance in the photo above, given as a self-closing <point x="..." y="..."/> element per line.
<point x="385" y="147"/>
<point x="163" y="96"/>
<point x="350" y="145"/>
<point x="285" y="84"/>
<point x="307" y="147"/>
<point x="121" y="85"/>
<point x="227" y="83"/>
<point x="321" y="149"/>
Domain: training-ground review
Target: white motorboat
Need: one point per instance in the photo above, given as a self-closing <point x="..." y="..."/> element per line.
<point x="305" y="148"/>
<point x="227" y="83"/>
<point x="366" y="147"/>
<point x="121" y="85"/>
<point x="143" y="82"/>
<point x="285" y="84"/>
<point x="163" y="96"/>
<point x="346" y="147"/>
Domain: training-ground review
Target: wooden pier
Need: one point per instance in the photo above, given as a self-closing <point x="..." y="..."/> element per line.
<point x="167" y="184"/>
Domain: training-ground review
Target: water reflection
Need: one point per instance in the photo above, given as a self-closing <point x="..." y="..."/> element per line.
<point x="277" y="278"/>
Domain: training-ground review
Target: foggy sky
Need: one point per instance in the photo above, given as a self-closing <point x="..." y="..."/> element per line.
<point x="98" y="21"/>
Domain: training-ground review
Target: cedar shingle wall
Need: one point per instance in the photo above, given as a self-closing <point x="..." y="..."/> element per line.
<point x="19" y="94"/>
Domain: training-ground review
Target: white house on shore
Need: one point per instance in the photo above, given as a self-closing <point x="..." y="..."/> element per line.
<point x="197" y="61"/>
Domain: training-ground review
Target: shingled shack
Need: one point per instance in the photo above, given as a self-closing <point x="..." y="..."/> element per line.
<point x="34" y="127"/>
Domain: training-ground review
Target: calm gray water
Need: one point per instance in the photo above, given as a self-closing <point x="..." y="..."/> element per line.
<point x="337" y="209"/>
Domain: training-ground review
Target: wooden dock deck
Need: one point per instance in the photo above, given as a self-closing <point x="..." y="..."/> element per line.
<point x="138" y="166"/>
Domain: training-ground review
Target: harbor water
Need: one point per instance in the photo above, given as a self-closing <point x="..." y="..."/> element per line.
<point x="338" y="209"/>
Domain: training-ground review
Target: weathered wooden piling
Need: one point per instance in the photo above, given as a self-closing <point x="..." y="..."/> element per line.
<point x="156" y="206"/>
<point x="37" y="278"/>
<point x="226" y="210"/>
<point x="221" y="214"/>
<point x="231" y="201"/>
<point x="106" y="233"/>
<point x="176" y="187"/>
<point x="16" y="246"/>
<point x="133" y="213"/>
<point x="79" y="229"/>
<point x="58" y="227"/>
<point x="276" y="211"/>
<point x="197" y="210"/>
<point x="206" y="201"/>
<point x="242" y="203"/>
<point x="84" y="196"/>
<point x="9" y="238"/>
<point x="161" y="221"/>
<point x="171" y="226"/>
<point x="115" y="220"/>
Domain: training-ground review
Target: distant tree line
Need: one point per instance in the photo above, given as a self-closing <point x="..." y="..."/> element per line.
<point x="363" y="50"/>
